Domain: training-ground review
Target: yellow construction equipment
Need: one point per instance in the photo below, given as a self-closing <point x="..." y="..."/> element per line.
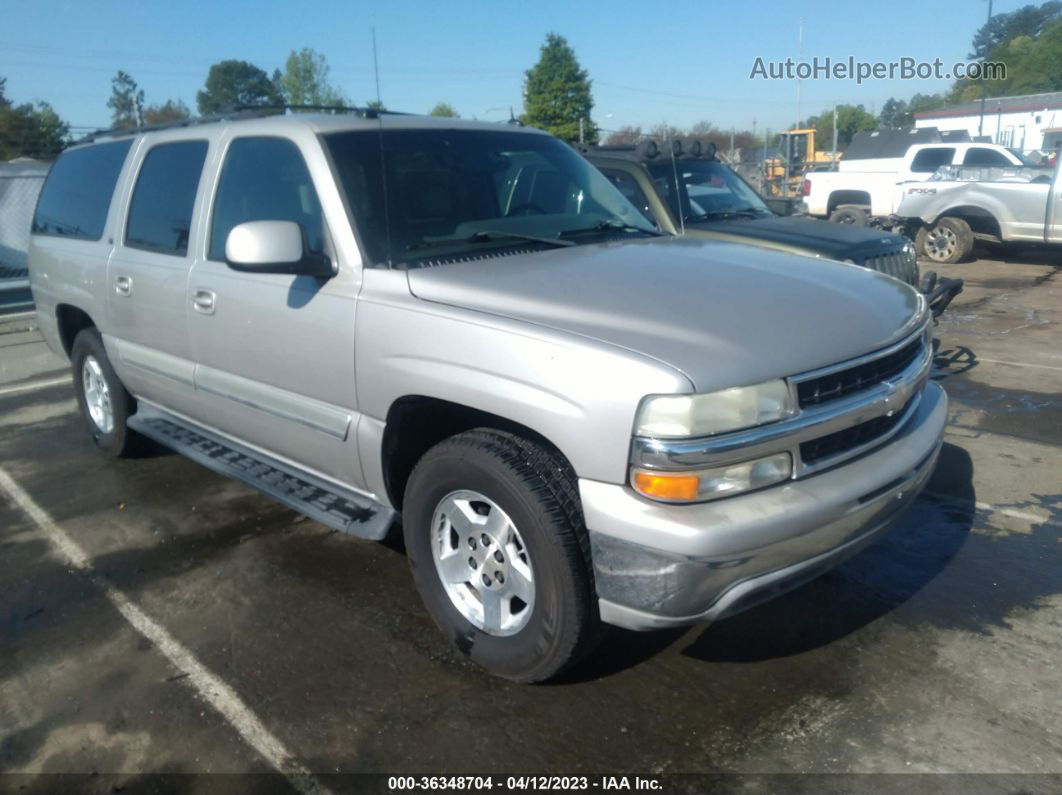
<point x="797" y="150"/>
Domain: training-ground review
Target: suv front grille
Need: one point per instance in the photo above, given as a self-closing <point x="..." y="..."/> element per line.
<point x="833" y="386"/>
<point x="816" y="450"/>
<point x="899" y="264"/>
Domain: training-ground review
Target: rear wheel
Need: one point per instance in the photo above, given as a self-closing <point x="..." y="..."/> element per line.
<point x="948" y="241"/>
<point x="104" y="403"/>
<point x="499" y="553"/>
<point x="850" y="214"/>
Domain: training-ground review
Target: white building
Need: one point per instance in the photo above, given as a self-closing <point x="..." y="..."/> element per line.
<point x="1031" y="122"/>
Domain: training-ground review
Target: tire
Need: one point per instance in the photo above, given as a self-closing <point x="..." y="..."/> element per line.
<point x="93" y="376"/>
<point x="538" y="541"/>
<point x="946" y="242"/>
<point x="850" y="214"/>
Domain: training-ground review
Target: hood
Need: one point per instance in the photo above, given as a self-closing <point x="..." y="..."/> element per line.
<point x="723" y="314"/>
<point x="836" y="241"/>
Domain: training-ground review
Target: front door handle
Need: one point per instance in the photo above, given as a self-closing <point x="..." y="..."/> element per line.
<point x="203" y="301"/>
<point x="123" y="285"/>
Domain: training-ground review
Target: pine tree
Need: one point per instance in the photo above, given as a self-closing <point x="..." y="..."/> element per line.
<point x="557" y="93"/>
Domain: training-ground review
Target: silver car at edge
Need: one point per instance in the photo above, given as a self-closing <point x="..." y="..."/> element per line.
<point x="464" y="325"/>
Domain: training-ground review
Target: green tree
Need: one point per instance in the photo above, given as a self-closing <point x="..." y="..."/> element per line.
<point x="126" y="102"/>
<point x="232" y="84"/>
<point x="30" y="130"/>
<point x="170" y="111"/>
<point x="1028" y="21"/>
<point x="305" y="80"/>
<point x="375" y="104"/>
<point x="444" y="109"/>
<point x="894" y="114"/>
<point x="850" y="120"/>
<point x="557" y="93"/>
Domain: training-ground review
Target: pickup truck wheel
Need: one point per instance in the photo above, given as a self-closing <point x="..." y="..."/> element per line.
<point x="947" y="242"/>
<point x="851" y="215"/>
<point x="104" y="403"/>
<point x="499" y="553"/>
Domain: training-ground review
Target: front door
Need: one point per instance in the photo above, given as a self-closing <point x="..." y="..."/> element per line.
<point x="275" y="353"/>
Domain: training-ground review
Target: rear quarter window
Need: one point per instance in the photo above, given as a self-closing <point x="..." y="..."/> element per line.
<point x="78" y="191"/>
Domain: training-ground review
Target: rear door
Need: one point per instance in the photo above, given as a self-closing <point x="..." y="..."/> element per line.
<point x="275" y="353"/>
<point x="147" y="275"/>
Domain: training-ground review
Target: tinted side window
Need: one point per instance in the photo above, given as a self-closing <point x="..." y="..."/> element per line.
<point x="985" y="157"/>
<point x="160" y="214"/>
<point x="929" y="160"/>
<point x="77" y="193"/>
<point x="265" y="179"/>
<point x="630" y="189"/>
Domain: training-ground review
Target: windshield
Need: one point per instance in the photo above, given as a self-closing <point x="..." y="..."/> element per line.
<point x="441" y="194"/>
<point x="709" y="191"/>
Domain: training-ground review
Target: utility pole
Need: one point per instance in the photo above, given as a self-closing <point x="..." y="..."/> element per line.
<point x="582" y="131"/>
<point x="834" y="133"/>
<point x="375" y="65"/>
<point x="800" y="57"/>
<point x="981" y="121"/>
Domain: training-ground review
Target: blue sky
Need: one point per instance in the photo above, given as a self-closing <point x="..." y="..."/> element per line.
<point x="679" y="62"/>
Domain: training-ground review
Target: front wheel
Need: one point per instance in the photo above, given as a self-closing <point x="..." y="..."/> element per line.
<point x="499" y="553"/>
<point x="948" y="241"/>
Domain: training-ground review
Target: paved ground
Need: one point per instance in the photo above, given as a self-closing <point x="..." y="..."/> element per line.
<point x="937" y="650"/>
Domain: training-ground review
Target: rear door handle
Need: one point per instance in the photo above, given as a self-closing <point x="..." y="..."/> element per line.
<point x="203" y="301"/>
<point x="123" y="285"/>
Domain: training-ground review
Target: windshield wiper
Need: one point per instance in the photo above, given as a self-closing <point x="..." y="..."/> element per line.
<point x="487" y="236"/>
<point x="745" y="212"/>
<point x="606" y="226"/>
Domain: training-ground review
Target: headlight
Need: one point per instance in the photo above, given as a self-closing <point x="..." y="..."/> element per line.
<point x="676" y="416"/>
<point x="710" y="484"/>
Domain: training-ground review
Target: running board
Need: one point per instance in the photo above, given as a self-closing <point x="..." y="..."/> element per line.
<point x="324" y="502"/>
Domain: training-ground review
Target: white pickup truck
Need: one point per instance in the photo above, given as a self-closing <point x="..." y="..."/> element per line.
<point x="864" y="190"/>
<point x="958" y="205"/>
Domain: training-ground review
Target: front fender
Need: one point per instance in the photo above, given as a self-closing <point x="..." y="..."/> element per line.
<point x="581" y="394"/>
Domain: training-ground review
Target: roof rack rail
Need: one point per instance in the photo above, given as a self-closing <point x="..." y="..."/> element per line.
<point x="236" y="113"/>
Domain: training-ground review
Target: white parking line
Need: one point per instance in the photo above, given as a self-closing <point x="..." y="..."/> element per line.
<point x="206" y="683"/>
<point x="14" y="390"/>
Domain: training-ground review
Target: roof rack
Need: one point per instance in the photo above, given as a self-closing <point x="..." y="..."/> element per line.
<point x="237" y="113"/>
<point x="649" y="149"/>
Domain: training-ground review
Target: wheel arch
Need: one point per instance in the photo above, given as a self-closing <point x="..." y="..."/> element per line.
<point x="416" y="423"/>
<point x="981" y="221"/>
<point x="841" y="197"/>
<point x="71" y="321"/>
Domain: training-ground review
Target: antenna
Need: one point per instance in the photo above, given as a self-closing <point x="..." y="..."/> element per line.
<point x="800" y="57"/>
<point x="375" y="65"/>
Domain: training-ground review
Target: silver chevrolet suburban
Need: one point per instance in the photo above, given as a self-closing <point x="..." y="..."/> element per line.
<point x="465" y="324"/>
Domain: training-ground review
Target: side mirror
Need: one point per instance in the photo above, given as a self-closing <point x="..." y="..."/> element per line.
<point x="274" y="247"/>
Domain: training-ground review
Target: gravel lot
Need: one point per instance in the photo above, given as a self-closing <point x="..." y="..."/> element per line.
<point x="936" y="650"/>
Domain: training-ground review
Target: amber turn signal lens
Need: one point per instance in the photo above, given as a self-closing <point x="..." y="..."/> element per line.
<point x="681" y="488"/>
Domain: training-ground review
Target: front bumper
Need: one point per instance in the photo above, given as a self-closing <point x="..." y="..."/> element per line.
<point x="659" y="565"/>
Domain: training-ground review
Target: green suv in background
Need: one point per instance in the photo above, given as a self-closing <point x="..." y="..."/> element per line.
<point x="688" y="191"/>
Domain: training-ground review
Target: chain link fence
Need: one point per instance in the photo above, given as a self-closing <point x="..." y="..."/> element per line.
<point x="20" y="183"/>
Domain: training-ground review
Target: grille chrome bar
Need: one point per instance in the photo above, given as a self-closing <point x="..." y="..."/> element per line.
<point x="897" y="395"/>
